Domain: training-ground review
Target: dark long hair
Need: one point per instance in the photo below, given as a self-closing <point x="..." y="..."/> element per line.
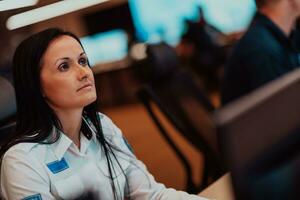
<point x="35" y="118"/>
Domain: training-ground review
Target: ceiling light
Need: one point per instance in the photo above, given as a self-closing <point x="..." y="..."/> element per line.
<point x="14" y="4"/>
<point x="48" y="12"/>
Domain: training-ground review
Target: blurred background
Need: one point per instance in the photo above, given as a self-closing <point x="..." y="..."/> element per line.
<point x="136" y="44"/>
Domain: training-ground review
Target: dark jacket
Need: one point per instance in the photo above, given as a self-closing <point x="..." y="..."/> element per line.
<point x="263" y="54"/>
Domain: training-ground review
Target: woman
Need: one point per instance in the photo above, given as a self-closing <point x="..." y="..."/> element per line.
<point x="62" y="147"/>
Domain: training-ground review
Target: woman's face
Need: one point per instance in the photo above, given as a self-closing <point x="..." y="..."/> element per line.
<point x="67" y="81"/>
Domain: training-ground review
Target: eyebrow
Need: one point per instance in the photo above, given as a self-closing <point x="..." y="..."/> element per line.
<point x="66" y="58"/>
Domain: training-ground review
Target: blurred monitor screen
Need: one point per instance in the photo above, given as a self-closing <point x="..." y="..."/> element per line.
<point x="105" y="47"/>
<point x="228" y="15"/>
<point x="157" y="20"/>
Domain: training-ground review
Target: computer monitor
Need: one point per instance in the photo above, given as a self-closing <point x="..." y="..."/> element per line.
<point x="157" y="20"/>
<point x="165" y="20"/>
<point x="106" y="46"/>
<point x="259" y="136"/>
<point x="228" y="16"/>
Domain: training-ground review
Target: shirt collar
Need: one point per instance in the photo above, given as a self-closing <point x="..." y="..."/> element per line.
<point x="61" y="145"/>
<point x="85" y="141"/>
<point x="273" y="28"/>
<point x="64" y="142"/>
<point x="92" y="129"/>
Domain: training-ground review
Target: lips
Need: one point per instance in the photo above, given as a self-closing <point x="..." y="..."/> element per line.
<point x="85" y="86"/>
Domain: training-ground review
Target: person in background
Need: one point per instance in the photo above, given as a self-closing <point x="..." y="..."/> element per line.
<point x="265" y="52"/>
<point x="63" y="148"/>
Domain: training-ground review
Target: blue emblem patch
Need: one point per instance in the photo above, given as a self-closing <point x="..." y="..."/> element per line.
<point x="58" y="166"/>
<point x="33" y="197"/>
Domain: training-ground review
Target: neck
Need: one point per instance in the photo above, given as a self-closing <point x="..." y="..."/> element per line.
<point x="282" y="15"/>
<point x="71" y="123"/>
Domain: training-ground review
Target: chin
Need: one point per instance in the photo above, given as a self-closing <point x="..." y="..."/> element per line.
<point x="89" y="100"/>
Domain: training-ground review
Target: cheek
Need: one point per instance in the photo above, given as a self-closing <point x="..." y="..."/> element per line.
<point x="297" y="6"/>
<point x="63" y="94"/>
<point x="57" y="92"/>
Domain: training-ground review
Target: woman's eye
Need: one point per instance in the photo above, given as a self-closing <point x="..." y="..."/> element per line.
<point x="83" y="61"/>
<point x="63" y="67"/>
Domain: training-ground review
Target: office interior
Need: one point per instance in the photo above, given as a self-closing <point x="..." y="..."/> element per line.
<point x="149" y="57"/>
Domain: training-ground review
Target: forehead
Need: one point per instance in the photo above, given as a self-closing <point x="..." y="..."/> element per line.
<point x="63" y="46"/>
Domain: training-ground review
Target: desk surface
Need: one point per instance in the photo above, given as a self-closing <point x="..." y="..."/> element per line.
<point x="220" y="189"/>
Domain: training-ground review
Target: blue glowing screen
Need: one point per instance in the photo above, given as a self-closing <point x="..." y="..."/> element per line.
<point x="228" y="15"/>
<point x="157" y="20"/>
<point x="105" y="47"/>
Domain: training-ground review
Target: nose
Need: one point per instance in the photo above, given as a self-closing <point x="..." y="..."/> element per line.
<point x="82" y="73"/>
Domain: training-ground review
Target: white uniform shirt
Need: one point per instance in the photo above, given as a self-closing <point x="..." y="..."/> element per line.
<point x="60" y="170"/>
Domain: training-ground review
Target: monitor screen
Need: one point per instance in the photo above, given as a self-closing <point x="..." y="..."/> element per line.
<point x="158" y="20"/>
<point x="228" y="16"/>
<point x="105" y="47"/>
<point x="259" y="135"/>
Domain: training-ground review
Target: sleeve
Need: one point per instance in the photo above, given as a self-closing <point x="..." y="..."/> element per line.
<point x="22" y="177"/>
<point x="142" y="184"/>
